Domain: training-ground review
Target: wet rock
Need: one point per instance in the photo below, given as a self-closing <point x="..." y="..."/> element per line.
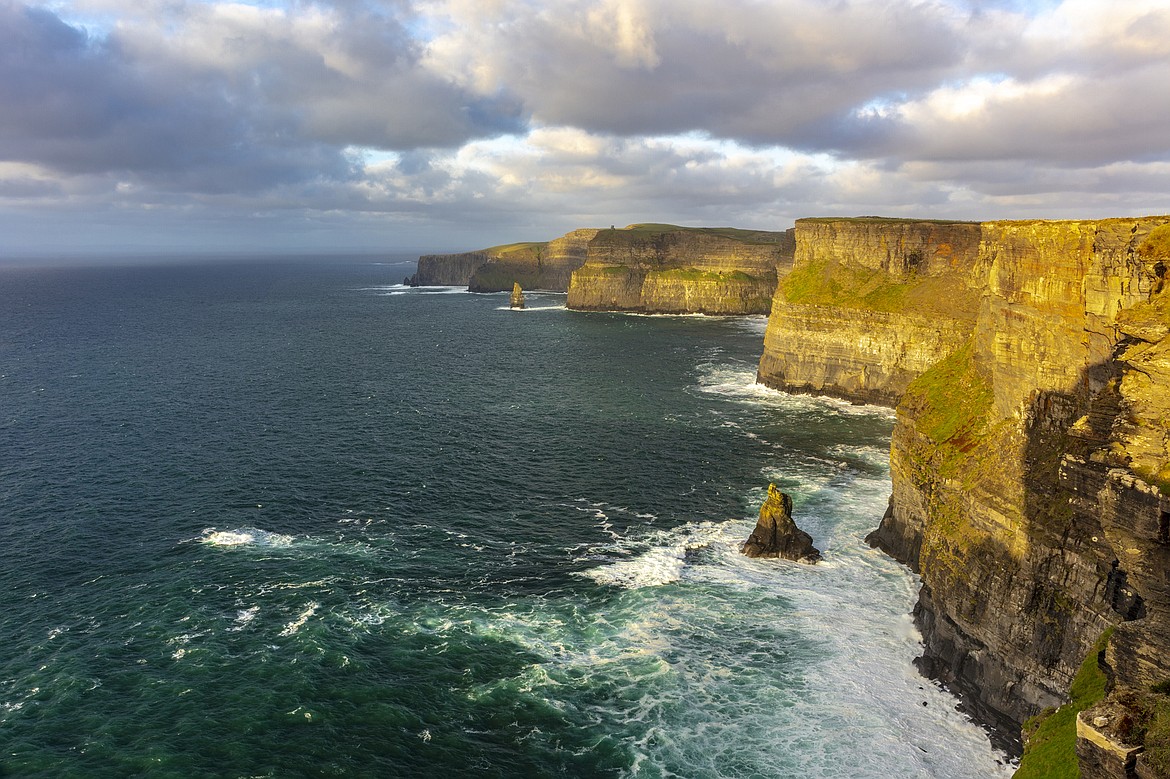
<point x="517" y="300"/>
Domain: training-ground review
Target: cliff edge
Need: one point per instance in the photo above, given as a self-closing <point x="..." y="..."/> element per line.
<point x="1029" y="363"/>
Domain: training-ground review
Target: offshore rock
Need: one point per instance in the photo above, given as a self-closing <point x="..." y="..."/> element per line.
<point x="776" y="535"/>
<point x="546" y="265"/>
<point x="665" y="269"/>
<point x="517" y="299"/>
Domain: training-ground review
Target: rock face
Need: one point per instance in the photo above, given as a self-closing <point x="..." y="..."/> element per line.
<point x="517" y="298"/>
<point x="540" y="265"/>
<point x="447" y="270"/>
<point x="546" y="266"/>
<point x="1030" y="461"/>
<point x="776" y="535"/>
<point x="870" y="304"/>
<point x="676" y="270"/>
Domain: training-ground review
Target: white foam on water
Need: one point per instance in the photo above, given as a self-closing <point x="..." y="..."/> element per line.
<point x="244" y="617"/>
<point x="292" y="627"/>
<point x="663" y="563"/>
<point x="738" y="383"/>
<point x="723" y="665"/>
<point x="532" y="309"/>
<point x="247" y="536"/>
<point x="755" y="323"/>
<point x="441" y="290"/>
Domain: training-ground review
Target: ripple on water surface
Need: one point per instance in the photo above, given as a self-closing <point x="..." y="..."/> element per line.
<point x="356" y="528"/>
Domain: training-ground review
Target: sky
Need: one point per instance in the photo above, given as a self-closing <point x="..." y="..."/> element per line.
<point x="441" y="125"/>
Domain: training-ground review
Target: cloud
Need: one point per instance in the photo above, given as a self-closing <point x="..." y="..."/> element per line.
<point x="224" y="98"/>
<point x="776" y="73"/>
<point x="522" y="118"/>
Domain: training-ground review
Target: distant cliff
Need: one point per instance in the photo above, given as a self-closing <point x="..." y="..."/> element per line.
<point x="447" y="270"/>
<point x="534" y="265"/>
<point x="1030" y="363"/>
<point x="546" y="266"/>
<point x="667" y="269"/>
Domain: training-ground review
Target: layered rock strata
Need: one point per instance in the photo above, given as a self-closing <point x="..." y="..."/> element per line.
<point x="870" y="304"/>
<point x="544" y="266"/>
<point x="1030" y="461"/>
<point x="534" y="265"/>
<point x="447" y="270"/>
<point x="677" y="270"/>
<point x="1025" y="466"/>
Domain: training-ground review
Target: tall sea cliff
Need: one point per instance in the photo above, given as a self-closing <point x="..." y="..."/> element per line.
<point x="1029" y="365"/>
<point x="545" y="265"/>
<point x="652" y="268"/>
<point x="646" y="268"/>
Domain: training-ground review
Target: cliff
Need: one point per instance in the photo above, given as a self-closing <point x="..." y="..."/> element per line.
<point x="533" y="265"/>
<point x="1031" y="455"/>
<point x="547" y="266"/>
<point x="677" y="270"/>
<point x="870" y="304"/>
<point x="447" y="270"/>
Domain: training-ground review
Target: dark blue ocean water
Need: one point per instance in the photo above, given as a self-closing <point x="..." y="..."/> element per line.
<point x="289" y="519"/>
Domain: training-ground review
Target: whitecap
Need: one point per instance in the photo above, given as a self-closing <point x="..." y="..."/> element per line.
<point x="247" y="536"/>
<point x="738" y="382"/>
<point x="665" y="561"/>
<point x="298" y="623"/>
<point x="530" y="309"/>
<point x="244" y="617"/>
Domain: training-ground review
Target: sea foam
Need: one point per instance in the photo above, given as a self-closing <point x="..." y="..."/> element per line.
<point x="248" y="536"/>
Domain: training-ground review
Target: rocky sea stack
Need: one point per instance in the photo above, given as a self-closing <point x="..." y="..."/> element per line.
<point x="776" y="535"/>
<point x="517" y="300"/>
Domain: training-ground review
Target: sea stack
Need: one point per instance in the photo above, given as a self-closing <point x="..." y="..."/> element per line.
<point x="517" y="295"/>
<point x="776" y="535"/>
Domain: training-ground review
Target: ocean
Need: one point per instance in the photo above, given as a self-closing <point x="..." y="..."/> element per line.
<point x="285" y="519"/>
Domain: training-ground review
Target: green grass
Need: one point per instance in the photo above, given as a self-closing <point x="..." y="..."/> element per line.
<point x="1051" y="749"/>
<point x="651" y="230"/>
<point x="884" y="220"/>
<point x="1157" y="740"/>
<point x="609" y="270"/>
<point x="822" y="283"/>
<point x="511" y="251"/>
<point x="951" y="403"/>
<point x="1156" y="246"/>
<point x="697" y="274"/>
